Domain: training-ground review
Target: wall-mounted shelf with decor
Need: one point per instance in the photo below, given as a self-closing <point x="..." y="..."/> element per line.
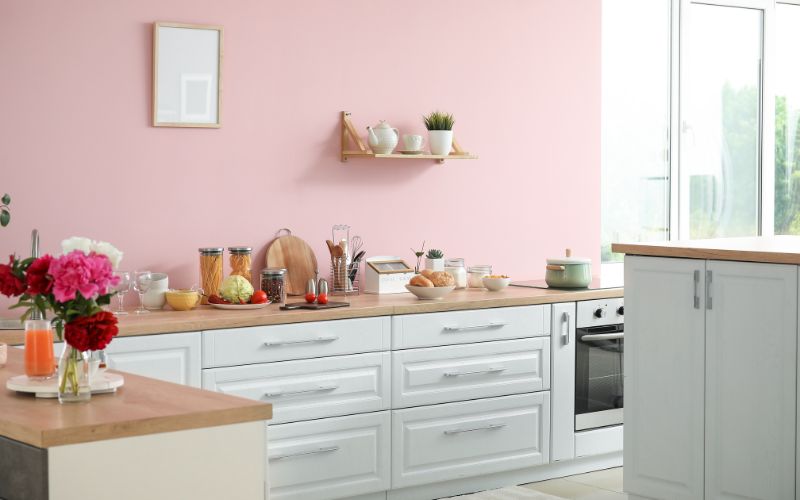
<point x="349" y="134"/>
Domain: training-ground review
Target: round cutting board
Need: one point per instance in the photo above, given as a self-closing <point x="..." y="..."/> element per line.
<point x="293" y="254"/>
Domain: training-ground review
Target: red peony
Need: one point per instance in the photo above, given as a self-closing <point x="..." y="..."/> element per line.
<point x="10" y="284"/>
<point x="91" y="333"/>
<point x="37" y="275"/>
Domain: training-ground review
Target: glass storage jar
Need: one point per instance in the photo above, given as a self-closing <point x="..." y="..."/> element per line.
<point x="273" y="283"/>
<point x="455" y="268"/>
<point x="476" y="273"/>
<point x="240" y="259"/>
<point x="210" y="271"/>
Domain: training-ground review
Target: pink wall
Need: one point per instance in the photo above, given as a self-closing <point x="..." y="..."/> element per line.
<point x="522" y="77"/>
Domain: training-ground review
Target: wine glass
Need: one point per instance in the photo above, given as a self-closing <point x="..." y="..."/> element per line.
<point x="123" y="287"/>
<point x="141" y="284"/>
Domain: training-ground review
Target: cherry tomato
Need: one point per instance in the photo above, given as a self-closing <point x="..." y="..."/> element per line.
<point x="310" y="298"/>
<point x="259" y="297"/>
<point x="323" y="298"/>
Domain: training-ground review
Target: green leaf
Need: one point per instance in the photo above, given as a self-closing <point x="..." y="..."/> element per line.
<point x="5" y="217"/>
<point x="6" y="199"/>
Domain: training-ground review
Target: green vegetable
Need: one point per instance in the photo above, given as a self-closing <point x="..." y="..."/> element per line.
<point x="236" y="289"/>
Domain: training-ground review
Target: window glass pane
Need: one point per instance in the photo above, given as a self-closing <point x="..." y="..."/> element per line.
<point x="635" y="122"/>
<point x="720" y="129"/>
<point x="787" y="120"/>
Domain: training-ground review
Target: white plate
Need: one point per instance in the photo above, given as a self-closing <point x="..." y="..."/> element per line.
<point x="241" y="306"/>
<point x="430" y="292"/>
<point x="101" y="383"/>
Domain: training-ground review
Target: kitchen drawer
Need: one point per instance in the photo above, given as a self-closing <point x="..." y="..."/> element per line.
<point x="452" y="373"/>
<point x="471" y="438"/>
<point x="264" y="344"/>
<point x="330" y="458"/>
<point x="310" y="388"/>
<point x="463" y="327"/>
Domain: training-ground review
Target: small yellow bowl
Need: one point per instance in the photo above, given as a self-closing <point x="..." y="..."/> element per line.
<point x="182" y="300"/>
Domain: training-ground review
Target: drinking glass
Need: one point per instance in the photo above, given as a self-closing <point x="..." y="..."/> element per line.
<point x="123" y="287"/>
<point x="141" y="284"/>
<point x="40" y="363"/>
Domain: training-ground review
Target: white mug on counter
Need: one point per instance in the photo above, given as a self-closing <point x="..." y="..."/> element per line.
<point x="154" y="297"/>
<point x="413" y="142"/>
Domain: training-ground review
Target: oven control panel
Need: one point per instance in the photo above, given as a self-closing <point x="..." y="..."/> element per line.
<point x="600" y="312"/>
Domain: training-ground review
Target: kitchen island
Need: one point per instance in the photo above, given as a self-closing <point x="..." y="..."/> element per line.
<point x="711" y="367"/>
<point x="151" y="439"/>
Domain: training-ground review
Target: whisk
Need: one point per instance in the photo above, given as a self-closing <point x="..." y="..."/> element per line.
<point x="355" y="245"/>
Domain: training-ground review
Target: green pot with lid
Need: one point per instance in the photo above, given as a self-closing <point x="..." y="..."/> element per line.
<point x="568" y="272"/>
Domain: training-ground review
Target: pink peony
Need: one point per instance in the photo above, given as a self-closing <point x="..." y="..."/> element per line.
<point x="90" y="275"/>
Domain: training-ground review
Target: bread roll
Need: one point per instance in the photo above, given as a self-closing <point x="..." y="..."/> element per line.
<point x="419" y="280"/>
<point x="427" y="273"/>
<point x="442" y="278"/>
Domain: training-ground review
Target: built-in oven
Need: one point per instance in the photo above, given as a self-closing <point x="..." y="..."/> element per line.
<point x="599" y="351"/>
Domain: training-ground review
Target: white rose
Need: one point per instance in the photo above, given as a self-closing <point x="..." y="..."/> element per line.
<point x="107" y="249"/>
<point x="76" y="243"/>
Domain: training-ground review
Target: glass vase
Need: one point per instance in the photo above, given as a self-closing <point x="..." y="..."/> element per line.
<point x="73" y="376"/>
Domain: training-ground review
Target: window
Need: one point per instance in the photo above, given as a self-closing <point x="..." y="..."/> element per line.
<point x="700" y="119"/>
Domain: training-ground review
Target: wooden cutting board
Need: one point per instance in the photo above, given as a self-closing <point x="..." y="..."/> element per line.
<point x="293" y="254"/>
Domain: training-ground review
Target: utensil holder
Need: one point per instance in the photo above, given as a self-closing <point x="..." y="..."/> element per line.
<point x="344" y="277"/>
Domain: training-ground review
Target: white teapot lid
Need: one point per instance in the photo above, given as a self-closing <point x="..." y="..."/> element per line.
<point x="382" y="124"/>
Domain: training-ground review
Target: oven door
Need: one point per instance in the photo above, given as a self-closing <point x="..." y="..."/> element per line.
<point x="598" y="376"/>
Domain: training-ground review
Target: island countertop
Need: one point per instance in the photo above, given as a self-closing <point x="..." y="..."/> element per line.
<point x="768" y="249"/>
<point x="142" y="406"/>
<point x="365" y="305"/>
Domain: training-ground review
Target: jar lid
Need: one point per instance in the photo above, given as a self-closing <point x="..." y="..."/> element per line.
<point x="454" y="262"/>
<point x="480" y="267"/>
<point x="240" y="249"/>
<point x="211" y="250"/>
<point x="273" y="271"/>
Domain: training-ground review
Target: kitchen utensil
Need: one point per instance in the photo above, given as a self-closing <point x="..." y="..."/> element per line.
<point x="568" y="272"/>
<point x="314" y="307"/>
<point x="322" y="287"/>
<point x="413" y="142"/>
<point x="430" y="292"/>
<point x="330" y="246"/>
<point x="382" y="138"/>
<point x="496" y="284"/>
<point x="183" y="300"/>
<point x="294" y="255"/>
<point x="355" y="245"/>
<point x="154" y="297"/>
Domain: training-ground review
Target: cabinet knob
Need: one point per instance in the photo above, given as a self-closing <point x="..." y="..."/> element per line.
<point x="621" y="310"/>
<point x="600" y="312"/>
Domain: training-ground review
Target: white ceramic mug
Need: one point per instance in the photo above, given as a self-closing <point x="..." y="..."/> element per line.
<point x="413" y="142"/>
<point x="155" y="297"/>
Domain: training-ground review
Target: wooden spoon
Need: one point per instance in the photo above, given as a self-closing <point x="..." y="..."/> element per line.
<point x="330" y="246"/>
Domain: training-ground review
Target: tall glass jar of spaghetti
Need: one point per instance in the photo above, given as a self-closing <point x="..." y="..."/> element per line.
<point x="210" y="271"/>
<point x="240" y="259"/>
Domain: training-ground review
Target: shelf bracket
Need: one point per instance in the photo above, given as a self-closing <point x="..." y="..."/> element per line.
<point x="349" y="134"/>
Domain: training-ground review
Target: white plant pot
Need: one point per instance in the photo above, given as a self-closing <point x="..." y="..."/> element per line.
<point x="441" y="141"/>
<point x="434" y="264"/>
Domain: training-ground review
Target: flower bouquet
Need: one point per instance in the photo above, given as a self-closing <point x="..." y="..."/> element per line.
<point x="73" y="286"/>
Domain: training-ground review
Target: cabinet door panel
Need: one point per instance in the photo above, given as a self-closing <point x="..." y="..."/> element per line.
<point x="751" y="354"/>
<point x="562" y="440"/>
<point x="174" y="357"/>
<point x="664" y="377"/>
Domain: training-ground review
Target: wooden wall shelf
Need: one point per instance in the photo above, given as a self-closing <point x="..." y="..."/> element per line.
<point x="349" y="134"/>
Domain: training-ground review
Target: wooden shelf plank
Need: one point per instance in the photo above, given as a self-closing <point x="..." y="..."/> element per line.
<point x="427" y="156"/>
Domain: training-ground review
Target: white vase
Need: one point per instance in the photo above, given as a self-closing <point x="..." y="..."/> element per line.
<point x="441" y="141"/>
<point x="434" y="264"/>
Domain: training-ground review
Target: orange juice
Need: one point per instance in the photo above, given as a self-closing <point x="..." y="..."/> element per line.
<point x="39" y="359"/>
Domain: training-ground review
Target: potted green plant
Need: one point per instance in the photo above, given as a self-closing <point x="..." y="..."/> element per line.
<point x="440" y="132"/>
<point x="434" y="260"/>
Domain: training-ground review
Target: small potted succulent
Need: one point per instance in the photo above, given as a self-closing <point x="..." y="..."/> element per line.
<point x="434" y="260"/>
<point x="440" y="132"/>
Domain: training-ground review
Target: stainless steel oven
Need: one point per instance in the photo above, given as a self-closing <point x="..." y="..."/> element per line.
<point x="599" y="352"/>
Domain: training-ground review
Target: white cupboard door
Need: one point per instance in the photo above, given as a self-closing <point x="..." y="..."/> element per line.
<point x="174" y="357"/>
<point x="664" y="377"/>
<point x="751" y="388"/>
<point x="562" y="394"/>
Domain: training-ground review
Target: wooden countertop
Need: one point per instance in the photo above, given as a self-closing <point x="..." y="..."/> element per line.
<point x="770" y="249"/>
<point x="142" y="406"/>
<point x="365" y="305"/>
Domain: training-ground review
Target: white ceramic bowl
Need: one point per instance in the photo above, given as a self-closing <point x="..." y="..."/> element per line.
<point x="496" y="284"/>
<point x="428" y="292"/>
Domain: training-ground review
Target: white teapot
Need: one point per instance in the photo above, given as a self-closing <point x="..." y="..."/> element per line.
<point x="383" y="138"/>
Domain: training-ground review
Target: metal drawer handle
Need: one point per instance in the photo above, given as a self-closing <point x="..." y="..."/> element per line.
<point x="274" y="343"/>
<point x="497" y="369"/>
<point x="565" y="321"/>
<point x="473" y="327"/>
<point x="603" y="336"/>
<point x="327" y="449"/>
<point x="484" y="428"/>
<point x="321" y="388"/>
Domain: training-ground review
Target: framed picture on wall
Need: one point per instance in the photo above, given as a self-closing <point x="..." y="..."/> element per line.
<point x="187" y="75"/>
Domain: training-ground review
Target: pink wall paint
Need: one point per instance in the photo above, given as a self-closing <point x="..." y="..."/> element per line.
<point x="522" y="78"/>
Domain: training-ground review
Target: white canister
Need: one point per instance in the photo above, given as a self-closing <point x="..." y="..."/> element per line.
<point x="455" y="268"/>
<point x="155" y="297"/>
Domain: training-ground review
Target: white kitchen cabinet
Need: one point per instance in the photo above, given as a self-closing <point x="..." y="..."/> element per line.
<point x="710" y="379"/>
<point x="330" y="458"/>
<point x="173" y="357"/>
<point x="562" y="383"/>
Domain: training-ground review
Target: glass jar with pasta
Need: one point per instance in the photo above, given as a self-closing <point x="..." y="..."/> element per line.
<point x="210" y="270"/>
<point x="240" y="259"/>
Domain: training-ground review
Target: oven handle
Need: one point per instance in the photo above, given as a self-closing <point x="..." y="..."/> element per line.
<point x="602" y="336"/>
